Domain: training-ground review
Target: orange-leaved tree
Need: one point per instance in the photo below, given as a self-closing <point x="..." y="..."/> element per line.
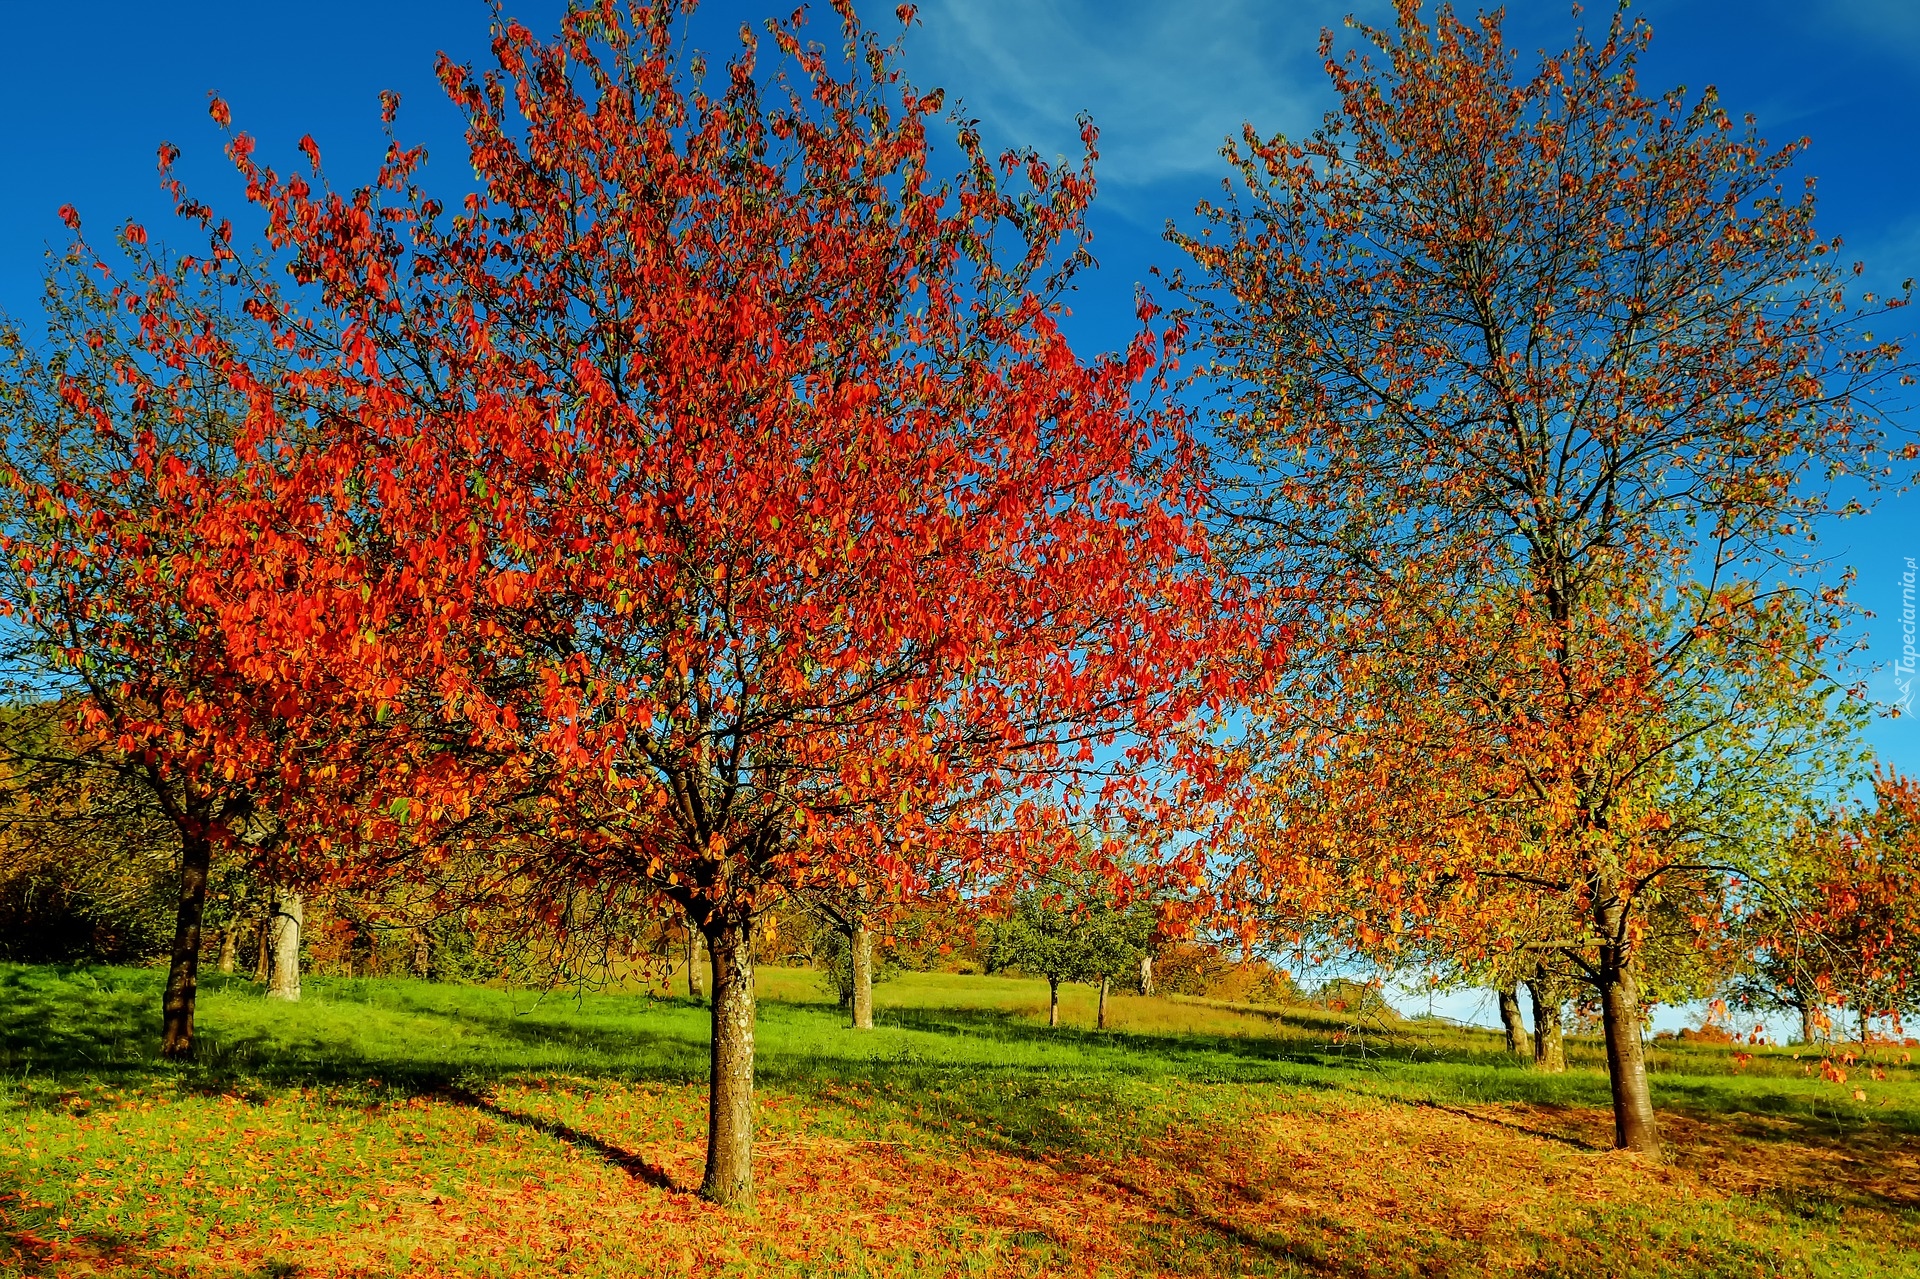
<point x="1867" y="909"/>
<point x="1844" y="932"/>
<point x="787" y="544"/>
<point x="1533" y="381"/>
<point x="169" y="487"/>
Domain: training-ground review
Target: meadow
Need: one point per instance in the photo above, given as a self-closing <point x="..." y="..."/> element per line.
<point x="387" y="1127"/>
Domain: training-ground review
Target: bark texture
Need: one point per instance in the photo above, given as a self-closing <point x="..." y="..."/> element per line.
<point x="1101" y="1023"/>
<point x="1549" y="1035"/>
<point x="729" y="1175"/>
<point x="862" y="945"/>
<point x="1510" y="1015"/>
<point x="1809" y="1030"/>
<point x="283" y="946"/>
<point x="1146" y="974"/>
<point x="183" y="971"/>
<point x="1634" y="1127"/>
<point x="1053" y="1001"/>
<point x="229" y="947"/>
<point x="693" y="964"/>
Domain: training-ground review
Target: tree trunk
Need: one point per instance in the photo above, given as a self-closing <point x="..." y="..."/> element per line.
<point x="1808" y="1030"/>
<point x="1510" y="1015"/>
<point x="862" y="943"/>
<point x="1549" y="1043"/>
<point x="263" y="956"/>
<point x="1146" y="974"/>
<point x="1633" y="1121"/>
<point x="693" y="964"/>
<point x="1053" y="1001"/>
<point x="729" y="1176"/>
<point x="283" y="968"/>
<point x="1101" y="1023"/>
<point x="228" y="947"/>
<point x="183" y="973"/>
<point x="422" y="955"/>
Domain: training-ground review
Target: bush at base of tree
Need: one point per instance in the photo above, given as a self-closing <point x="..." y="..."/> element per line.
<point x="1199" y="972"/>
<point x="106" y="911"/>
<point x="1354" y="998"/>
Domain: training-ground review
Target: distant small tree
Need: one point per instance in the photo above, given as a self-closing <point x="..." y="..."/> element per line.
<point x="1547" y="989"/>
<point x="1362" y="998"/>
<point x="1845" y="932"/>
<point x="1072" y="930"/>
<point x="849" y="912"/>
<point x="1676" y="966"/>
<point x="851" y="976"/>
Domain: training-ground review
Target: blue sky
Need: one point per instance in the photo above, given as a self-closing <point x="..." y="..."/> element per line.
<point x="87" y="101"/>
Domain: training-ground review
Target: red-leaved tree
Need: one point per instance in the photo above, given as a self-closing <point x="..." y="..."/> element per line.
<point x="179" y="612"/>
<point x="778" y="539"/>
<point x="1845" y="931"/>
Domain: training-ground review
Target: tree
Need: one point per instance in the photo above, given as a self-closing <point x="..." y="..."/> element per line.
<point x="160" y="501"/>
<point x="1547" y="982"/>
<point x="1509" y="995"/>
<point x="780" y="538"/>
<point x="1845" y="931"/>
<point x="1533" y="384"/>
<point x="1546" y="990"/>
<point x="87" y="872"/>
<point x="1676" y="963"/>
<point x="284" y="927"/>
<point x="848" y="974"/>
<point x="849" y="915"/>
<point x="1868" y="908"/>
<point x="1070" y="929"/>
<point x="693" y="962"/>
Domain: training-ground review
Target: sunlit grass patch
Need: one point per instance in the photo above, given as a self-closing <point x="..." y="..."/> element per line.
<point x="392" y="1127"/>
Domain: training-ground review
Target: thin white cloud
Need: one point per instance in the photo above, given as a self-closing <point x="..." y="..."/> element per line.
<point x="1165" y="83"/>
<point x="1894" y="25"/>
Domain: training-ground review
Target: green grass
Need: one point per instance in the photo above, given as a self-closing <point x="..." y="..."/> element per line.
<point x="385" y="1127"/>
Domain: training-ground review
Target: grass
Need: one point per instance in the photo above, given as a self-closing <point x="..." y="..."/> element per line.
<point x="395" y="1127"/>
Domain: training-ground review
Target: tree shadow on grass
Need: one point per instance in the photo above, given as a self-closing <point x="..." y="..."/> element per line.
<point x="34" y="1244"/>
<point x="1155" y="1050"/>
<point x="62" y="1030"/>
<point x="109" y="1029"/>
<point x="63" y="1026"/>
<point x="622" y="1052"/>
<point x="1761" y="1109"/>
<point x="629" y="1162"/>
<point x="1800" y="1162"/>
<point x="1214" y="1058"/>
<point x="1575" y="1140"/>
<point x="1300" y="1254"/>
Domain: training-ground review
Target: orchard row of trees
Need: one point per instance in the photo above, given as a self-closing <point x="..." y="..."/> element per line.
<point x="707" y="510"/>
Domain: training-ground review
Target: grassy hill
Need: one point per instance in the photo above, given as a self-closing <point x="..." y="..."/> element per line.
<point x="395" y="1127"/>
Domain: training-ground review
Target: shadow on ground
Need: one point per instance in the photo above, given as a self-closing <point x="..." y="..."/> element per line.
<point x="105" y="1035"/>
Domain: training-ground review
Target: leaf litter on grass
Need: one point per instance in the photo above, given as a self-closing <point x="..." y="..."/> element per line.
<point x="980" y="1149"/>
